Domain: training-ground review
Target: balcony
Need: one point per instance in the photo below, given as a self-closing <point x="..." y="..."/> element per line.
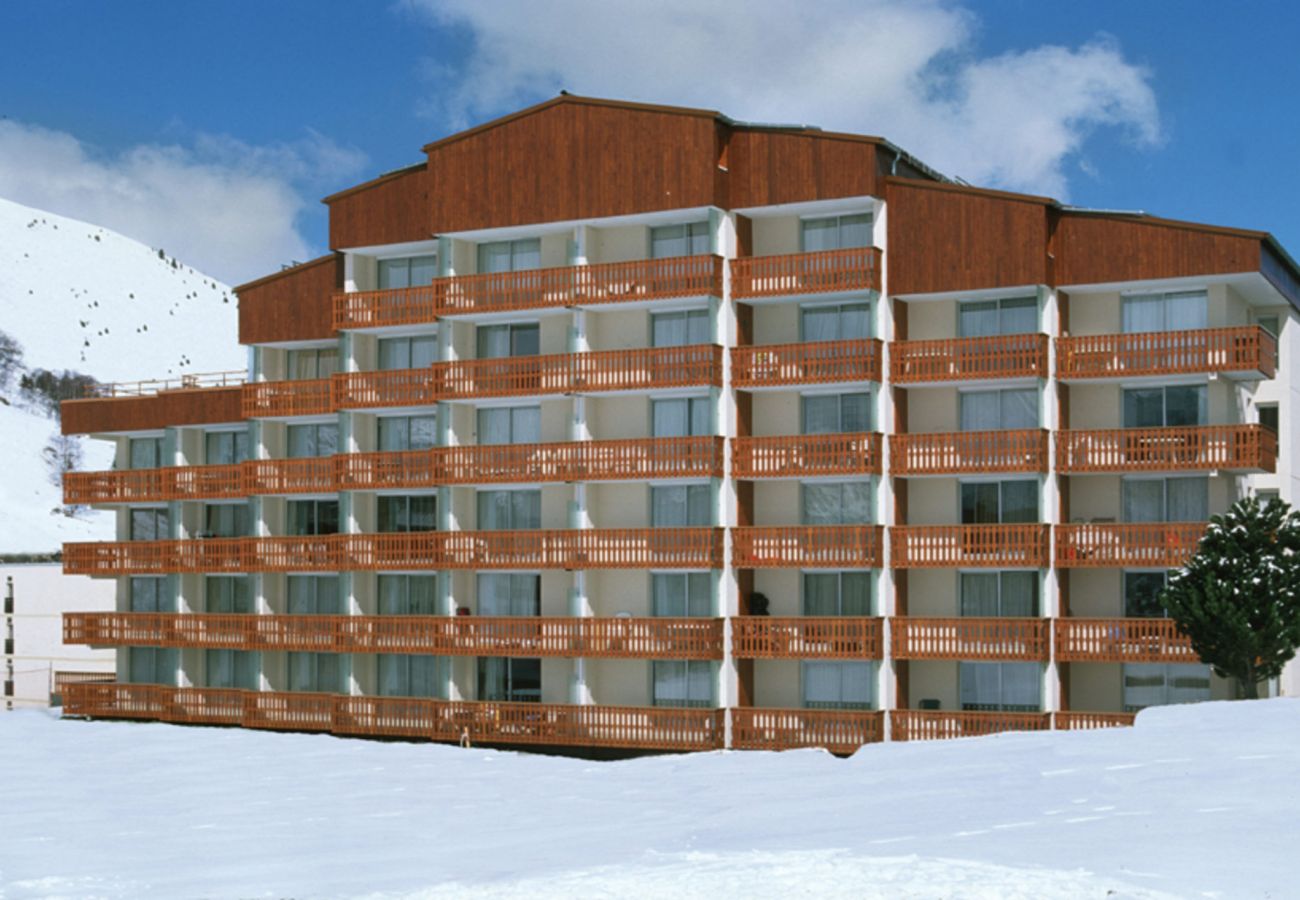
<point x="534" y="636"/>
<point x="308" y="475"/>
<point x="840" y="731"/>
<point x="976" y="546"/>
<point x="1247" y="352"/>
<point x="1004" y="640"/>
<point x="385" y="388"/>
<point x="932" y="725"/>
<point x="154" y="485"/>
<point x="543" y="724"/>
<point x="284" y="399"/>
<point x="1122" y="641"/>
<point x="570" y="286"/>
<point x="1069" y="720"/>
<point x="806" y="455"/>
<point x="816" y="362"/>
<point x="1155" y="545"/>
<point x="968" y="453"/>
<point x="814" y="546"/>
<point x="796" y="274"/>
<point x="806" y="637"/>
<point x="1239" y="448"/>
<point x="968" y="359"/>
<point x="211" y="555"/>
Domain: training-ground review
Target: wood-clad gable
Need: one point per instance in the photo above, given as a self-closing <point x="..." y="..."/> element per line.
<point x="292" y="305"/>
<point x="770" y="167"/>
<point x="391" y="209"/>
<point x="1101" y="249"/>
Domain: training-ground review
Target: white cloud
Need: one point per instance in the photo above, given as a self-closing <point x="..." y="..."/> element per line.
<point x="904" y="69"/>
<point x="228" y="208"/>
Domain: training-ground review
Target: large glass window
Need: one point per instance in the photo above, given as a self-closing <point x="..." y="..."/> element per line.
<point x="1010" y="594"/>
<point x="398" y="433"/>
<point x="1166" y="499"/>
<point x="228" y="594"/>
<point x="837" y="503"/>
<point x="835" y="232"/>
<point x="836" y="413"/>
<point x="680" y="329"/>
<point x="681" y="417"/>
<point x="999" y="410"/>
<point x="984" y="318"/>
<point x="227" y="520"/>
<point x="314" y="595"/>
<point x="311" y="363"/>
<point x="679" y="240"/>
<point x="146" y="453"/>
<point x="152" y="665"/>
<point x="415" y="512"/>
<point x="999" y="502"/>
<point x="408" y="352"/>
<point x="681" y="594"/>
<point x="680" y="682"/>
<point x="225" y="448"/>
<point x="1142" y="595"/>
<point x="509" y="510"/>
<point x="408" y="271"/>
<point x="837" y="593"/>
<point x="408" y="675"/>
<point x="837" y="685"/>
<point x="510" y="256"/>
<point x="509" y="594"/>
<point x="1175" y="311"/>
<point x="316" y="673"/>
<point x="1161" y="684"/>
<point x="232" y="669"/>
<point x="836" y="321"/>
<point x="510" y="425"/>
<point x="1158" y="407"/>
<point x="310" y="517"/>
<point x="313" y="440"/>
<point x="408" y="595"/>
<point x="151" y="595"/>
<point x="1005" y="687"/>
<point x="509" y="679"/>
<point x="504" y="341"/>
<point x="681" y="506"/>
<point x="150" y="524"/>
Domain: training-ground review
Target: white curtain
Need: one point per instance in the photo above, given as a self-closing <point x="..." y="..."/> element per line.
<point x="821" y="594"/>
<point x="820" y="234"/>
<point x="1144" y="499"/>
<point x="993" y="686"/>
<point x="1018" y="316"/>
<point x="494" y="426"/>
<point x="979" y="594"/>
<point x="1189" y="499"/>
<point x="821" y="414"/>
<point x="1019" y="409"/>
<point x="980" y="410"/>
<point x="832" y="685"/>
<point x="1018" y="594"/>
<point x="977" y="319"/>
<point x="1143" y="313"/>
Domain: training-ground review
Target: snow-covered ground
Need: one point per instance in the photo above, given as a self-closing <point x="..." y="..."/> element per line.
<point x="1195" y="801"/>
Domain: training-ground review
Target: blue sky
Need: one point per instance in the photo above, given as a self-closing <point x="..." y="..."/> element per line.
<point x="214" y="128"/>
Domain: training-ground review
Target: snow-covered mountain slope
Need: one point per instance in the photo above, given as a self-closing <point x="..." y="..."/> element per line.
<point x="77" y="296"/>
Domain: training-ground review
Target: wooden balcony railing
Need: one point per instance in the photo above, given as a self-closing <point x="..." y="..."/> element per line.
<point x="415" y="305"/>
<point x="210" y="555"/>
<point x="1231" y="447"/>
<point x="930" y="725"/>
<point x="150" y="387"/>
<point x="152" y="485"/>
<point x="1249" y="351"/>
<point x="838" y="730"/>
<point x="816" y="362"/>
<point x="273" y="399"/>
<point x="968" y="359"/>
<point x="806" y="455"/>
<point x="388" y="387"/>
<point x="968" y="452"/>
<point x="309" y="475"/>
<point x="1122" y="640"/>
<point x="976" y="546"/>
<point x="1069" y="720"/>
<point x="792" y="546"/>
<point x="542" y="724"/>
<point x="794" y="274"/>
<point x="1160" y="545"/>
<point x="972" y="638"/>
<point x="535" y="636"/>
<point x="806" y="637"/>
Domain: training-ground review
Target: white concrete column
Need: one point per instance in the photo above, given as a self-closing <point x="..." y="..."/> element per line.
<point x="722" y="230"/>
<point x="1051" y="498"/>
<point x="886" y="585"/>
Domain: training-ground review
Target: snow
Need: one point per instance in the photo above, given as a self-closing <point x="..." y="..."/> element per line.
<point x="1195" y="801"/>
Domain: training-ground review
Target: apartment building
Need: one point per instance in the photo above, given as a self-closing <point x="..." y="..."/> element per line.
<point x="621" y="426"/>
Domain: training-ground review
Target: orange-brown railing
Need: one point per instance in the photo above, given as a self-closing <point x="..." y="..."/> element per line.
<point x="787" y="546"/>
<point x="1234" y="447"/>
<point x="816" y="362"/>
<point x="544" y="724"/>
<point x="150" y="485"/>
<point x="806" y="455"/>
<point x="1165" y="545"/>
<point x="65" y="678"/>
<point x="186" y="382"/>
<point x="806" y="637"/>
<point x="992" y="546"/>
<point x="413" y="305"/>
<point x="1069" y="720"/>
<point x="290" y="476"/>
<point x="965" y="359"/>
<point x="566" y="373"/>
<point x="791" y="274"/>
<point x="390" y="469"/>
<point x="1247" y="348"/>
<point x="1122" y="640"/>
<point x="837" y="730"/>
<point x="970" y="638"/>
<point x="534" y="636"/>
<point x="930" y="725"/>
<point x="968" y="452"/>
<point x="263" y="399"/>
<point x="387" y="387"/>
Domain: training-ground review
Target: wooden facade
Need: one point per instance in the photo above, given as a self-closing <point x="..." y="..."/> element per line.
<point x="199" y="406"/>
<point x="293" y="305"/>
<point x="390" y="209"/>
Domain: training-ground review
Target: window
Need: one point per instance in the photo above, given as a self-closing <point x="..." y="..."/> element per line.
<point x="1158" y="407"/>
<point x="681" y="417"/>
<point x="679" y="240"/>
<point x="151" y="595"/>
<point x="408" y="352"/>
<point x="146" y="453"/>
<point x="313" y="440"/>
<point x="510" y="425"/>
<point x="314" y="595"/>
<point x="680" y="682"/>
<point x="309" y="517"/>
<point x="999" y="410"/>
<point x="503" y="341"/>
<point x="407" y="272"/>
<point x="836" y="413"/>
<point x="408" y="595"/>
<point x="232" y="669"/>
<point x="228" y="594"/>
<point x="1000" y="687"/>
<point x="152" y="665"/>
<point x="1176" y="311"/>
<point x="1162" y="684"/>
<point x="837" y="503"/>
<point x="1009" y="594"/>
<point x="680" y="329"/>
<point x="984" y="318"/>
<point x="1142" y="595"/>
<point x="315" y="673"/>
<point x="681" y="594"/>
<point x="319" y="362"/>
<point x="1267" y="497"/>
<point x="227" y="520"/>
<point x="1268" y="417"/>
<point x="509" y="510"/>
<point x="417" y="512"/>
<point x="835" y="322"/>
<point x="999" y="502"/>
<point x="835" y="232"/>
<point x="150" y="524"/>
<point x="509" y="594"/>
<point x="509" y="679"/>
<point x="408" y="675"/>
<point x="225" y="448"/>
<point x="408" y="432"/>
<point x="836" y="593"/>
<point x="837" y="685"/>
<point x="1166" y="499"/>
<point x="1271" y="324"/>
<point x="510" y="256"/>
<point x="681" y="506"/>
